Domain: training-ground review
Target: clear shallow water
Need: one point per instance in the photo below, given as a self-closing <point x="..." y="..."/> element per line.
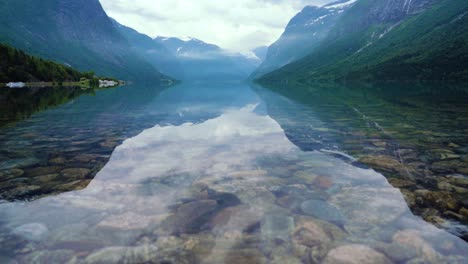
<point x="413" y="133"/>
<point x="202" y="174"/>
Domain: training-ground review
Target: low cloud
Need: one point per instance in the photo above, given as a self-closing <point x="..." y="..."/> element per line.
<point x="238" y="25"/>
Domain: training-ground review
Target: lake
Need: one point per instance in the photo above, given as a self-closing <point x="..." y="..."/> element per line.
<point x="234" y="173"/>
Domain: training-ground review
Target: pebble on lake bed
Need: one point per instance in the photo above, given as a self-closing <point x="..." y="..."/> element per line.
<point x="322" y="210"/>
<point x="32" y="231"/>
<point x="355" y="254"/>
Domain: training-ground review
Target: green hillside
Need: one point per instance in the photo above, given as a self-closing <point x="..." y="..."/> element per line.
<point x="432" y="45"/>
<point x="15" y="65"/>
<point x="73" y="33"/>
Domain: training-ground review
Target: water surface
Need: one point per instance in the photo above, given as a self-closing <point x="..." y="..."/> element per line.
<point x="200" y="173"/>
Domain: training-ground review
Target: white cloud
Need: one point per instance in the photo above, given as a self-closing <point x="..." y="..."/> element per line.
<point x="238" y="25"/>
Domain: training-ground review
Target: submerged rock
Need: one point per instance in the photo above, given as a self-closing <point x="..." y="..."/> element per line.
<point x="32" y="231"/>
<point x="306" y="177"/>
<point x="413" y="240"/>
<point x="277" y="226"/>
<point x="310" y="234"/>
<point x="463" y="211"/>
<point x="86" y="158"/>
<point x="75" y="173"/>
<point x="397" y="252"/>
<point x="21" y="192"/>
<point x="237" y="218"/>
<point x="141" y="254"/>
<point x="458" y="180"/>
<point x="75" y="185"/>
<point x="109" y="144"/>
<point x="244" y="256"/>
<point x="130" y="221"/>
<point x="322" y="210"/>
<point x="18" y="163"/>
<point x="46" y="178"/>
<point x="446" y="186"/>
<point x="289" y="202"/>
<point x="10" y="174"/>
<point x="371" y="206"/>
<point x="381" y="162"/>
<point x="355" y="254"/>
<point x="323" y="182"/>
<point x="285" y="259"/>
<point x="45" y="256"/>
<point x="442" y="200"/>
<point x="191" y="217"/>
<point x="399" y="183"/>
<point x="43" y="171"/>
<point x="449" y="166"/>
<point x="57" y="161"/>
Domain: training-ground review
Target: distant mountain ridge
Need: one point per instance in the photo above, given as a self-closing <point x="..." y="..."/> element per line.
<point x="304" y="32"/>
<point x="153" y="52"/>
<point x="75" y="33"/>
<point x="388" y="40"/>
<point x="202" y="61"/>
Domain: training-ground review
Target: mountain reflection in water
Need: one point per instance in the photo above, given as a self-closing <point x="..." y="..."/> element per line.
<point x="228" y="189"/>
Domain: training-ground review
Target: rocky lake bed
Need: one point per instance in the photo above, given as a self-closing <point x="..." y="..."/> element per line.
<point x="250" y="183"/>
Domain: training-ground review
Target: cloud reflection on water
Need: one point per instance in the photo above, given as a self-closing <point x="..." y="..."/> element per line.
<point x="239" y="152"/>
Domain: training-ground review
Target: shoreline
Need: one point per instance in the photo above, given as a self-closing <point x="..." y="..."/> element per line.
<point x="83" y="84"/>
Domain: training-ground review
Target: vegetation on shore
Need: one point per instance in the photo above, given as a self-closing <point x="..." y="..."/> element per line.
<point x="17" y="66"/>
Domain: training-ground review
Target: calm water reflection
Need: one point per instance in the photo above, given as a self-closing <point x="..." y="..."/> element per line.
<point x="415" y="134"/>
<point x="213" y="178"/>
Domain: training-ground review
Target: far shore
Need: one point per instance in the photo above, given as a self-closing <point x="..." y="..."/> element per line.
<point x="82" y="84"/>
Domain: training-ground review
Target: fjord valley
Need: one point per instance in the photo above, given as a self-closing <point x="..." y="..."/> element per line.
<point x="308" y="131"/>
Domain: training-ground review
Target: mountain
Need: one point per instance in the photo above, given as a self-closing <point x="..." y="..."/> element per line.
<point x="261" y="52"/>
<point x="74" y="33"/>
<point x="201" y="60"/>
<point x="303" y="33"/>
<point x="154" y="53"/>
<point x="389" y="40"/>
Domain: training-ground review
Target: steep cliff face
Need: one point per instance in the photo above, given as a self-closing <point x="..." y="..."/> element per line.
<point x="387" y="13"/>
<point x="72" y="32"/>
<point x="389" y="39"/>
<point x="79" y="21"/>
<point x="394" y="10"/>
<point x="303" y="33"/>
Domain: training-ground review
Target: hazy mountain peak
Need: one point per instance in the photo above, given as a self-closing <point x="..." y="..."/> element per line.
<point x="201" y="60"/>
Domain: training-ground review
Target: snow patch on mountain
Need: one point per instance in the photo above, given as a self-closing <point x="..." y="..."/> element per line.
<point x="340" y="5"/>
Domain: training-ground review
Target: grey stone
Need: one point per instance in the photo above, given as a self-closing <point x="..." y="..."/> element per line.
<point x="277" y="226"/>
<point x="32" y="231"/>
<point x="322" y="210"/>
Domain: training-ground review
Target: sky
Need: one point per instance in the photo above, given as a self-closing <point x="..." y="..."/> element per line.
<point x="236" y="25"/>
